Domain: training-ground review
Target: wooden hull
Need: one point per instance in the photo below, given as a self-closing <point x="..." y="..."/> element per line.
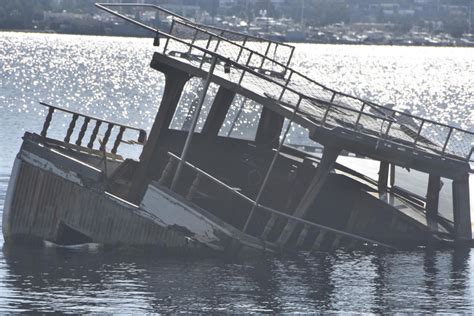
<point x="54" y="198"/>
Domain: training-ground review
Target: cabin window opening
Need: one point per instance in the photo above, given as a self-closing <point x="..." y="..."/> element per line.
<point x="242" y="119"/>
<point x="298" y="137"/>
<point x="416" y="182"/>
<point x="183" y="116"/>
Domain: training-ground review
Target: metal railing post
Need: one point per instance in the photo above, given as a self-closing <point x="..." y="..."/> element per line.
<point x="217" y="45"/>
<point x="193" y="41"/>
<point x="265" y="55"/>
<point x="291" y="56"/>
<point x="168" y="39"/>
<point x="286" y="84"/>
<point x="272" y="164"/>
<point x="241" y="49"/>
<point x="388" y="128"/>
<point x="419" y="132"/>
<point x="468" y="158"/>
<point x="447" y="140"/>
<point x="326" y="114"/>
<point x="360" y="114"/>
<point x="193" y="124"/>
<point x="250" y="57"/>
<point x="204" y="55"/>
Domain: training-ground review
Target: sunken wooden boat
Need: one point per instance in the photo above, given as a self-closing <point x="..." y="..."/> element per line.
<point x="199" y="185"/>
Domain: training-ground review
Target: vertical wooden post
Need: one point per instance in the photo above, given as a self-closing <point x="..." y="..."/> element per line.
<point x="301" y="181"/>
<point x="272" y="164"/>
<point x="383" y="176"/>
<point x="106" y="136"/>
<point x="432" y="200"/>
<point x="174" y="85"/>
<point x="392" y="174"/>
<point x="82" y="132"/>
<point x="189" y="138"/>
<point x="330" y="155"/>
<point x="118" y="140"/>
<point x="218" y="112"/>
<point x="94" y="134"/>
<point x="462" y="210"/>
<point x="70" y="129"/>
<point x="269" y="128"/>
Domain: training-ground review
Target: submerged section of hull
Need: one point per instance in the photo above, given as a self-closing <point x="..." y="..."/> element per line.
<point x="46" y="201"/>
<point x="53" y="196"/>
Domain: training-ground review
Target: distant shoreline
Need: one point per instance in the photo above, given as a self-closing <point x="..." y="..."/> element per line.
<point x="374" y="43"/>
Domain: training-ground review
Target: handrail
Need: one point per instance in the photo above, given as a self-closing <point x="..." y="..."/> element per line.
<point x="441" y="149"/>
<point x="285" y="67"/>
<point x="258" y="38"/>
<point x="158" y="8"/>
<point x="243" y="47"/>
<point x="422" y="119"/>
<point x="93" y="117"/>
<point x="142" y="136"/>
<point x="379" y="109"/>
<point x="386" y="119"/>
<point x="273" y="211"/>
<point x="214" y="54"/>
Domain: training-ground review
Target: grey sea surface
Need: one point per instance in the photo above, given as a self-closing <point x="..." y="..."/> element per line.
<point x="110" y="77"/>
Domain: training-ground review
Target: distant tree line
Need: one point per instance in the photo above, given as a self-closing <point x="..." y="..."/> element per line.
<point x="22" y="14"/>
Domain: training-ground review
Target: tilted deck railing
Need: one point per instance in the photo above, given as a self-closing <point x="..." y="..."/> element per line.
<point x="201" y="176"/>
<point x="86" y="120"/>
<point x="358" y="113"/>
<point x="321" y="105"/>
<point x="283" y="51"/>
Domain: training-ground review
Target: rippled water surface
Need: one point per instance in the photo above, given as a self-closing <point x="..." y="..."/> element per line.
<point x="110" y="78"/>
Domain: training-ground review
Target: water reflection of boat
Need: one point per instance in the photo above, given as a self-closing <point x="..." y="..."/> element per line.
<point x="198" y="186"/>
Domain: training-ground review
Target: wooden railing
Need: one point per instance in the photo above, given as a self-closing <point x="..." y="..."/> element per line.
<point x="200" y="176"/>
<point x="88" y="121"/>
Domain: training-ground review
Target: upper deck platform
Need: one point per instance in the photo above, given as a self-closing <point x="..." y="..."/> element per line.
<point x="259" y="70"/>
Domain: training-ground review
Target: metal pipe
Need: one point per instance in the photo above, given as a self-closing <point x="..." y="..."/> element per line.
<point x="193" y="124"/>
<point x="447" y="140"/>
<point x="265" y="55"/>
<point x="388" y="128"/>
<point x="204" y="54"/>
<point x="336" y="231"/>
<point x="372" y="104"/>
<point x="241" y="49"/>
<point x="291" y="56"/>
<point x="326" y="114"/>
<point x="193" y="41"/>
<point x="360" y="114"/>
<point x="271" y="210"/>
<point x="103" y="7"/>
<point x="286" y="84"/>
<point x="419" y="132"/>
<point x="468" y="158"/>
<point x="244" y="68"/>
<point x="272" y="164"/>
<point x="237" y="65"/>
<point x="168" y="39"/>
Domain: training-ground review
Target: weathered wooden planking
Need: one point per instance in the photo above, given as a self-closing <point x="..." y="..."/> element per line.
<point x="42" y="199"/>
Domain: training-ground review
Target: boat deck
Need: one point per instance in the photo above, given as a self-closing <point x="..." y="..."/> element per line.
<point x="357" y="125"/>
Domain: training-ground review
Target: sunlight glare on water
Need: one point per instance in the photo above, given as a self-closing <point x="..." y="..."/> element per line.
<point x="110" y="78"/>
